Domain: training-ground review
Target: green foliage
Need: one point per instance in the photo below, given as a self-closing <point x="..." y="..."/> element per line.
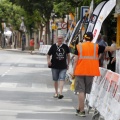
<point x="38" y="12"/>
<point x="58" y="7"/>
<point x="11" y="13"/>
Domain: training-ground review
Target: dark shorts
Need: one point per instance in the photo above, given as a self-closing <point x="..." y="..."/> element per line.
<point x="83" y="84"/>
<point x="58" y="74"/>
<point x="32" y="48"/>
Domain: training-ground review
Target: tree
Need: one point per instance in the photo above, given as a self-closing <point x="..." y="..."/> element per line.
<point x="38" y="13"/>
<point x="34" y="7"/>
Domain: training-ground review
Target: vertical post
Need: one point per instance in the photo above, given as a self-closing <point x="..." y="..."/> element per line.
<point x="118" y="30"/>
<point x="77" y="14"/>
<point x="22" y="28"/>
<point x="52" y="30"/>
<point x="67" y="22"/>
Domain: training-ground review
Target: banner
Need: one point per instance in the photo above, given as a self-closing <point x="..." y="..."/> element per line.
<point x="94" y="17"/>
<point x="107" y="8"/>
<point x="105" y="95"/>
<point x="76" y="29"/>
<point x="79" y="26"/>
<point x="71" y="26"/>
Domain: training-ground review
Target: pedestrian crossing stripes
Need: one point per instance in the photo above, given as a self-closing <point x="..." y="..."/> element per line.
<point x="39" y="87"/>
<point x="6" y="64"/>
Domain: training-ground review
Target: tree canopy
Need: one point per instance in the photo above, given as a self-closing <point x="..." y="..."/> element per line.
<point x="38" y="12"/>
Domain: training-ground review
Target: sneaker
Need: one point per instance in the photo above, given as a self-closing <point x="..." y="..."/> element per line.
<point x="55" y="96"/>
<point x="60" y="96"/>
<point x="81" y="114"/>
<point x="77" y="111"/>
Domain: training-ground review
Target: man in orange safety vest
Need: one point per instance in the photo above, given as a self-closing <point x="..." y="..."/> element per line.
<point x="86" y="66"/>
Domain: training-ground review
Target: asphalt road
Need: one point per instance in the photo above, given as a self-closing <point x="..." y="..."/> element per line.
<point x="26" y="90"/>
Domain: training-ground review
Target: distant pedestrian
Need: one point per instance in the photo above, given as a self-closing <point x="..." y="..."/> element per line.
<point x="59" y="64"/>
<point x="101" y="41"/>
<point x="23" y="42"/>
<point x="6" y="41"/>
<point x="32" y="45"/>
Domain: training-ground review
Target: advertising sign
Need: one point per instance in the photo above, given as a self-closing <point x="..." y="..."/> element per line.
<point x="84" y="11"/>
<point x="105" y="11"/>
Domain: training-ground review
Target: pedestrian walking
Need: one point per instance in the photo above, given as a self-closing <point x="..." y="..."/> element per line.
<point x="58" y="59"/>
<point x="32" y="45"/>
<point x="86" y="66"/>
<point x="23" y="42"/>
<point x="102" y="41"/>
<point x="6" y="41"/>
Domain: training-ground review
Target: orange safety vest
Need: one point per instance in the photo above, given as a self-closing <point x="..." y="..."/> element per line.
<point x="88" y="61"/>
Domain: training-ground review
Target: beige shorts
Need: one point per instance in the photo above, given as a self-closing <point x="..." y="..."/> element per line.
<point x="83" y="84"/>
<point x="32" y="48"/>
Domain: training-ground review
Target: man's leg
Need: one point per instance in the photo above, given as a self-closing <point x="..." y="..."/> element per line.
<point x="62" y="75"/>
<point x="61" y="84"/>
<point x="80" y="88"/>
<point x="56" y="87"/>
<point x="55" y="79"/>
<point x="81" y="99"/>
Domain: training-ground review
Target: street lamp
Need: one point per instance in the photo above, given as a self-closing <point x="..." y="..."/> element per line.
<point x="53" y="25"/>
<point x="23" y="29"/>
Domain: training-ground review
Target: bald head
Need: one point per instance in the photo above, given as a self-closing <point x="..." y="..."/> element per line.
<point x="60" y="39"/>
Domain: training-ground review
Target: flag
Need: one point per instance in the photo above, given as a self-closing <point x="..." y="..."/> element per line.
<point x="105" y="11"/>
<point x="99" y="15"/>
<point x="70" y="27"/>
<point x="80" y="25"/>
<point x="94" y="16"/>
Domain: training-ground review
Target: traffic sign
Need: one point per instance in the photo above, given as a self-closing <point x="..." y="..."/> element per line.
<point x="64" y="25"/>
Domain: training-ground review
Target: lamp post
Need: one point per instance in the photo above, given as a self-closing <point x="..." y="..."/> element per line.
<point x="77" y="9"/>
<point x="53" y="25"/>
<point x="23" y="29"/>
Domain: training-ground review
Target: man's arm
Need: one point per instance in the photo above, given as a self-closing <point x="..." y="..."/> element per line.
<point x="68" y="59"/>
<point x="109" y="48"/>
<point x="48" y="60"/>
<point x="75" y="63"/>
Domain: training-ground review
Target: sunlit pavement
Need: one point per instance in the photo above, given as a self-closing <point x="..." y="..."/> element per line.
<point x="26" y="90"/>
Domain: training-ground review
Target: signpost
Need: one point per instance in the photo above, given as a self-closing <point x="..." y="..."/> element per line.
<point x="64" y="25"/>
<point x="117" y="14"/>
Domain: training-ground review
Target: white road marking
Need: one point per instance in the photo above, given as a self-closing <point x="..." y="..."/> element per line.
<point x="39" y="65"/>
<point x="22" y="65"/>
<point x="2" y="75"/>
<point x="6" y="64"/>
<point x="8" y="85"/>
<point x="46" y="74"/>
<point x="20" y="87"/>
<point x="43" y="112"/>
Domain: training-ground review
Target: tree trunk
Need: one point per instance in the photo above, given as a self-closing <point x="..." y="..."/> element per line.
<point x="47" y="33"/>
<point x="41" y="32"/>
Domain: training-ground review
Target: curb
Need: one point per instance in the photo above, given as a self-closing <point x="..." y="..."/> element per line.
<point x="20" y="51"/>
